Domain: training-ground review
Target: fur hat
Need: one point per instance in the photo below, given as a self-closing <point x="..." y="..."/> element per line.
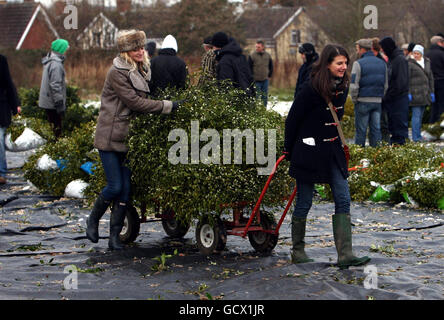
<point x="128" y="40"/>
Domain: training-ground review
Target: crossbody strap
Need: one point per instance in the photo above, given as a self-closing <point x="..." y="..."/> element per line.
<point x="338" y="124"/>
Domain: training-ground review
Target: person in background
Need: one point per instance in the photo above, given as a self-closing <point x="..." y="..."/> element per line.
<point x="261" y="65"/>
<point x="124" y="94"/>
<point x="309" y="56"/>
<point x="208" y="62"/>
<point x="9" y="105"/>
<point x="232" y="64"/>
<point x="151" y="49"/>
<point x="52" y="96"/>
<point x="167" y="69"/>
<point x="368" y="85"/>
<point x="385" y="133"/>
<point x="396" y="99"/>
<point x="436" y="56"/>
<point x="404" y="48"/>
<point x="422" y="88"/>
<point x="315" y="152"/>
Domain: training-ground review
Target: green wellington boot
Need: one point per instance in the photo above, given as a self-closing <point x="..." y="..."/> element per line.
<point x="343" y="240"/>
<point x="298" y="254"/>
<point x="92" y="223"/>
<point x="115" y="227"/>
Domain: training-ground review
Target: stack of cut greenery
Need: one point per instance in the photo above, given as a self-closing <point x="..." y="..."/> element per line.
<point x="195" y="187"/>
<point x="412" y="173"/>
<point x="70" y="153"/>
<point x="34" y="117"/>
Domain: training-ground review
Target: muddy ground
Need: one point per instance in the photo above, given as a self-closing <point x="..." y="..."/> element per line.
<point x="42" y="237"/>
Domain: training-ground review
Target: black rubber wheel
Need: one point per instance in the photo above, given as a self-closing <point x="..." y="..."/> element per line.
<point x="131" y="226"/>
<point x="264" y="242"/>
<point x="175" y="228"/>
<point x="210" y="237"/>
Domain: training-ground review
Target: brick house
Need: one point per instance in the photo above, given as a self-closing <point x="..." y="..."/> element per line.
<point x="25" y="26"/>
<point x="282" y="29"/>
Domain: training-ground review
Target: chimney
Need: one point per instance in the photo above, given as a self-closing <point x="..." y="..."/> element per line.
<point x="123" y="6"/>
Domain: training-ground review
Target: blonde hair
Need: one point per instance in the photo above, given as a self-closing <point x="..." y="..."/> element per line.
<point x="143" y="67"/>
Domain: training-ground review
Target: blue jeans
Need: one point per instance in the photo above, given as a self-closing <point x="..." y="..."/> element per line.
<point x="118" y="176"/>
<point x="339" y="188"/>
<point x="3" y="167"/>
<point x="398" y="116"/>
<point x="262" y="91"/>
<point x="368" y="114"/>
<point x="417" y="113"/>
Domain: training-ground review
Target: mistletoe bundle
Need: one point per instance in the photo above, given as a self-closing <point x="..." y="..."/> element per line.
<point x="219" y="148"/>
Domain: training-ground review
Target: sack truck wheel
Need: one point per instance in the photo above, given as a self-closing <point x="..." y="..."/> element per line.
<point x="264" y="242"/>
<point x="131" y="226"/>
<point x="175" y="228"/>
<point x="210" y="237"/>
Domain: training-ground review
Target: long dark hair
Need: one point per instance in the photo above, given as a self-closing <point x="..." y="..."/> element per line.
<point x="321" y="78"/>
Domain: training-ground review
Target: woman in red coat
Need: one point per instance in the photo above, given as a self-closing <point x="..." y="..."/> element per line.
<point x="316" y="155"/>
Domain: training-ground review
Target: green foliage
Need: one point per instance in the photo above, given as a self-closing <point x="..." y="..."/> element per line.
<point x="42" y="127"/>
<point x="75" y="150"/>
<point x="193" y="189"/>
<point x="75" y="115"/>
<point x="392" y="165"/>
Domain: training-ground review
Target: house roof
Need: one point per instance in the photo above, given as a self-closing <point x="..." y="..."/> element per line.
<point x="267" y="23"/>
<point x="15" y="21"/>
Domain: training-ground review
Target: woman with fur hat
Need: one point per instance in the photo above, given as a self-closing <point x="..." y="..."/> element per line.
<point x="125" y="92"/>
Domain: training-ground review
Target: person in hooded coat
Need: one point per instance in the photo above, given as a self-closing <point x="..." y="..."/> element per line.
<point x="232" y="64"/>
<point x="52" y="96"/>
<point x="396" y="99"/>
<point x="167" y="69"/>
<point x="309" y="56"/>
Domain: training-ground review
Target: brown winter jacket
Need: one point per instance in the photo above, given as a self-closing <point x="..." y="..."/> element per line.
<point x="125" y="92"/>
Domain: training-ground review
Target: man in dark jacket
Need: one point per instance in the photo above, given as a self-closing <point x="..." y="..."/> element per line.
<point x="436" y="56"/>
<point x="309" y="56"/>
<point x="232" y="64"/>
<point x="396" y="99"/>
<point x="9" y="105"/>
<point x="167" y="69"/>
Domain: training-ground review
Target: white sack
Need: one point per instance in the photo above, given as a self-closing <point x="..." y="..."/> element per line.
<point x="75" y="188"/>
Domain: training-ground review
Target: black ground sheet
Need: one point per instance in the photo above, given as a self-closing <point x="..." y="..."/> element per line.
<point x="43" y="237"/>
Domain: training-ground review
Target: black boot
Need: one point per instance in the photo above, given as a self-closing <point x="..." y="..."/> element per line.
<point x="298" y="254"/>
<point x="343" y="241"/>
<point x="92" y="223"/>
<point x="115" y="226"/>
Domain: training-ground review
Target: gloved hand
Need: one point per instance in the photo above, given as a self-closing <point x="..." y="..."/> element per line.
<point x="59" y="106"/>
<point x="177" y="104"/>
<point x="287" y="155"/>
<point x="432" y="95"/>
<point x="410" y="97"/>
